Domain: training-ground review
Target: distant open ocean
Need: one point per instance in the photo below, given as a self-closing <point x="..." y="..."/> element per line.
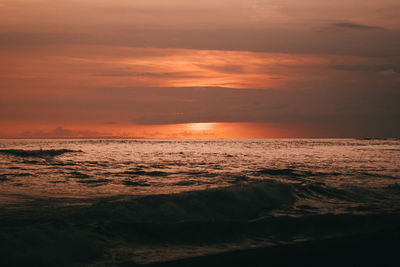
<point x="143" y="201"/>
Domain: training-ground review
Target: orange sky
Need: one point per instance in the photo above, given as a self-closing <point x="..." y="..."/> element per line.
<point x="156" y="69"/>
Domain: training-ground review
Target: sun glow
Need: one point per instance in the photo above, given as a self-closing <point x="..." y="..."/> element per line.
<point x="203" y="126"/>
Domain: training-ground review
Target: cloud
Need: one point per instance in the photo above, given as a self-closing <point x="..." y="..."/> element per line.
<point x="114" y="74"/>
<point x="390" y="73"/>
<point x="381" y="43"/>
<point x="356" y="26"/>
<point x="61" y="132"/>
<point x="369" y="108"/>
<point x="138" y="74"/>
<point x="234" y="69"/>
<point x="395" y="66"/>
<point x="345" y="109"/>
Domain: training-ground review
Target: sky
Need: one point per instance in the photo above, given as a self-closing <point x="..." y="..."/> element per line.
<point x="199" y="69"/>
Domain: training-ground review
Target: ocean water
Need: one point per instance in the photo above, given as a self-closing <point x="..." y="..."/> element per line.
<point x="155" y="200"/>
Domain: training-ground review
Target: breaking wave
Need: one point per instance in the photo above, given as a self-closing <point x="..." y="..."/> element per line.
<point x="218" y="204"/>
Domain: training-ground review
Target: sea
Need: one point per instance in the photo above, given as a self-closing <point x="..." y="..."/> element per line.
<point x="106" y="202"/>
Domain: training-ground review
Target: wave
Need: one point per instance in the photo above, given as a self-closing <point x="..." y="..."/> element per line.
<point x="128" y="182"/>
<point x="230" y="218"/>
<point x="146" y="173"/>
<point x="94" y="181"/>
<point x="37" y="153"/>
<point x="283" y="172"/>
<point x="239" y="202"/>
<point x="80" y="175"/>
<point x="293" y="173"/>
<point x="322" y="192"/>
<point x="277" y="172"/>
<point x="77" y="236"/>
<point x="378" y="175"/>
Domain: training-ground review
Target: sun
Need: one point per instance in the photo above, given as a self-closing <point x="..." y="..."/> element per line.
<point x="203" y="126"/>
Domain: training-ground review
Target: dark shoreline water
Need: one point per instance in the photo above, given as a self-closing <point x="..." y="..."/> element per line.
<point x="124" y="202"/>
<point x="372" y="249"/>
<point x="49" y="235"/>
